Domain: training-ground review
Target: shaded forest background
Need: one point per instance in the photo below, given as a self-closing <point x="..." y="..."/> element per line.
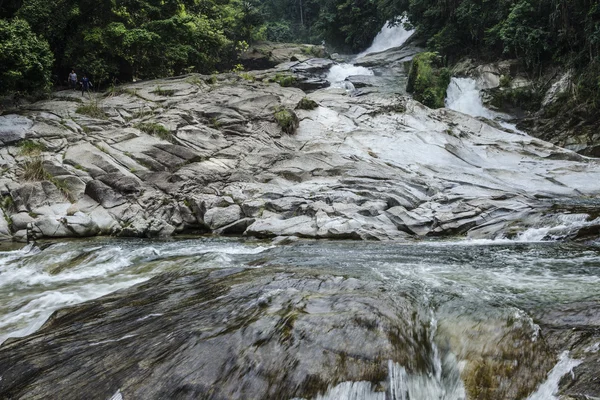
<point x="40" y="40"/>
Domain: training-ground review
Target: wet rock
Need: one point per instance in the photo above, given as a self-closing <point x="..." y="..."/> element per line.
<point x="575" y="327"/>
<point x="222" y="334"/>
<point x="390" y="57"/>
<point x="267" y="55"/>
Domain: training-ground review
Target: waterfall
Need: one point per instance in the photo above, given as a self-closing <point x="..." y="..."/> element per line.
<point x="443" y="382"/>
<point x="464" y="95"/>
<point x="388" y="38"/>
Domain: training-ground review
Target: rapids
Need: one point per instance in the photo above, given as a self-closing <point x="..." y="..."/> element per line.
<point x="458" y="284"/>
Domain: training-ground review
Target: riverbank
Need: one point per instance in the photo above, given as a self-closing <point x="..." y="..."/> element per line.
<point x="241" y="153"/>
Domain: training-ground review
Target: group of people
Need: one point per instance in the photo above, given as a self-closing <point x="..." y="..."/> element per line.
<point x="85" y="82"/>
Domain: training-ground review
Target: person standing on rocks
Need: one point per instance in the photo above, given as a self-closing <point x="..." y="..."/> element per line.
<point x="85" y="84"/>
<point x="73" y="80"/>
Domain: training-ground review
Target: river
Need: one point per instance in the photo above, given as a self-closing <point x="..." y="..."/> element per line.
<point x="458" y="285"/>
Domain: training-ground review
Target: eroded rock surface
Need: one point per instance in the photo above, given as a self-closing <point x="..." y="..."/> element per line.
<point x="199" y="154"/>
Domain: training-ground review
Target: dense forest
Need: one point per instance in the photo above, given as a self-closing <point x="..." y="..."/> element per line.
<point x="40" y="41"/>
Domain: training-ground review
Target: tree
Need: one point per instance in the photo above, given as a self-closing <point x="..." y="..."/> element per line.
<point x="25" y="59"/>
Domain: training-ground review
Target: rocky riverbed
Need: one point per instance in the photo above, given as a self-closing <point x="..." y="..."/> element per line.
<point x="212" y="154"/>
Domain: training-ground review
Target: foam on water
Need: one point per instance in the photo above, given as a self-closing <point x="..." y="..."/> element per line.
<point x="351" y="391"/>
<point x="389" y="37"/>
<point x="549" y="389"/>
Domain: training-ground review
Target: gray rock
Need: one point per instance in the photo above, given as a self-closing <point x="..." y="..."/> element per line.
<point x="103" y="194"/>
<point x="13" y="128"/>
<point x="21" y="220"/>
<point x="256" y="333"/>
<point x="221" y="216"/>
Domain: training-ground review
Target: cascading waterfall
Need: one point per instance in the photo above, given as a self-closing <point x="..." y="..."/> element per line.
<point x="338" y="73"/>
<point x="464" y="95"/>
<point x="389" y="37"/>
<point x="442" y="382"/>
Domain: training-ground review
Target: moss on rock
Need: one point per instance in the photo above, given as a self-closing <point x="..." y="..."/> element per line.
<point x="287" y="120"/>
<point x="306" y="104"/>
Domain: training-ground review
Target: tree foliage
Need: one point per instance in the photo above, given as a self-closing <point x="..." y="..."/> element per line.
<point x="540" y="33"/>
<point x="25" y="59"/>
<point x="134" y="38"/>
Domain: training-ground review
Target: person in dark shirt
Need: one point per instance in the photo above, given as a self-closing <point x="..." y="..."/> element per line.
<point x="85" y="85"/>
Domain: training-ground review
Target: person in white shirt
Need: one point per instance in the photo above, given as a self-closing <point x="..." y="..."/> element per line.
<point x="73" y="80"/>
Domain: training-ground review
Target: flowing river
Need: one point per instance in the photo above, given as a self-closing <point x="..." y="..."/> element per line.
<point x="464" y="288"/>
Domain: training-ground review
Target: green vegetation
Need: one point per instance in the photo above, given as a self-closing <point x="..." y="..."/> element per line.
<point x="526" y="98"/>
<point x="287" y="120"/>
<point x="306" y="104"/>
<point x="91" y="110"/>
<point x="7" y="203"/>
<point x="284" y="80"/>
<point x="116" y="39"/>
<point x="25" y="59"/>
<point x="347" y="25"/>
<point x="163" y="92"/>
<point x="34" y="170"/>
<point x="428" y="80"/>
<point x="30" y="148"/>
<point x="152" y="128"/>
<point x="246" y="76"/>
<point x="541" y="34"/>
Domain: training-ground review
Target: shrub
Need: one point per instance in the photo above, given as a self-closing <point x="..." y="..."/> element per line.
<point x="163" y="92"/>
<point x="152" y="128"/>
<point x="91" y="110"/>
<point x="287" y="120"/>
<point x="306" y="104"/>
<point x="428" y="80"/>
<point x="284" y="80"/>
<point x="25" y="59"/>
<point x="30" y="148"/>
<point x="34" y="170"/>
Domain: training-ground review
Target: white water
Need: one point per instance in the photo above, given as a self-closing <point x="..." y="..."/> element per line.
<point x="443" y="382"/>
<point x="388" y="38"/>
<point x="338" y="74"/>
<point x="549" y="389"/>
<point x="35" y="283"/>
<point x="464" y="95"/>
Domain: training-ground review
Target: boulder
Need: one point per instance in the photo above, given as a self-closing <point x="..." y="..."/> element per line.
<point x="221" y="216"/>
